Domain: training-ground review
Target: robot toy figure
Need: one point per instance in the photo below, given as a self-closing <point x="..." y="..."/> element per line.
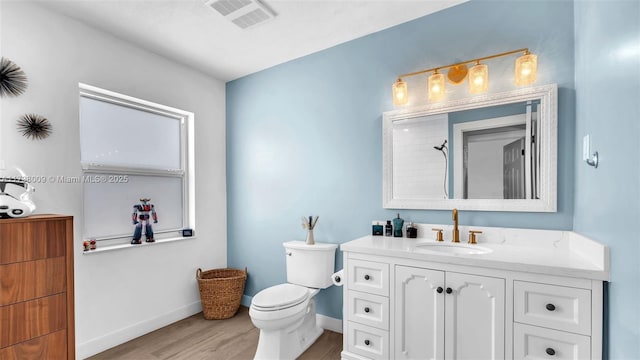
<point x="141" y="214"/>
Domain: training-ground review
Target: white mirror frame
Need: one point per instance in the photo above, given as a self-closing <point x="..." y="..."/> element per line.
<point x="548" y="110"/>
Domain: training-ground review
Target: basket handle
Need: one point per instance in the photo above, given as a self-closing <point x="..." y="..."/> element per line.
<point x="198" y="274"/>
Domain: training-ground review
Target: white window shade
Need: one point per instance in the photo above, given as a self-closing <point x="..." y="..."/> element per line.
<point x="120" y="136"/>
<point x="132" y="149"/>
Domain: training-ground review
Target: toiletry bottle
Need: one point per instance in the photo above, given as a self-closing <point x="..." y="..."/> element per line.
<point x="388" y="229"/>
<point x="397" y="226"/>
<point x="377" y="229"/>
<point x="412" y="231"/>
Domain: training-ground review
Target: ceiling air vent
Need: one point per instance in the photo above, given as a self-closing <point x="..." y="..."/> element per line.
<point x="243" y="13"/>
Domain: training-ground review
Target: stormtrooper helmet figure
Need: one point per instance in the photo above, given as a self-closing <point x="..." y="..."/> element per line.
<point x="15" y="194"/>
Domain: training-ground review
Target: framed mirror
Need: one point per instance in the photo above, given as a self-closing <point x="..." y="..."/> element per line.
<point x="495" y="152"/>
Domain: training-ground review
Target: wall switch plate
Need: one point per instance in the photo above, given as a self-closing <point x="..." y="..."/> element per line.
<point x="586" y="154"/>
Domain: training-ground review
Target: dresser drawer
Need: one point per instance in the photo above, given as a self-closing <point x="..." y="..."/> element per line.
<point x="52" y="346"/>
<point x="32" y="240"/>
<point x="556" y="307"/>
<point x="367" y="341"/>
<point x="532" y="342"/>
<point x="368" y="276"/>
<point x="368" y="309"/>
<point x="31" y="279"/>
<point x="30" y="319"/>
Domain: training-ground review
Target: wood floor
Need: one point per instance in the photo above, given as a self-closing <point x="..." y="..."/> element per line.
<point x="196" y="338"/>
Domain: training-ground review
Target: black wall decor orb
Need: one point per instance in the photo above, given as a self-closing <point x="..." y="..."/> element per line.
<point x="13" y="81"/>
<point x="34" y="126"/>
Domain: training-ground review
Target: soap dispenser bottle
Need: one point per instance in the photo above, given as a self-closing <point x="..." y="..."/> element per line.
<point x="377" y="229"/>
<point x="397" y="226"/>
<point x="412" y="231"/>
<point x="388" y="229"/>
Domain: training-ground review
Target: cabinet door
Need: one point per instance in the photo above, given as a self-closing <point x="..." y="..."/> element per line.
<point x="474" y="317"/>
<point x="419" y="314"/>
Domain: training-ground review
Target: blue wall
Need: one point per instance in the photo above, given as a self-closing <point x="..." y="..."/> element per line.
<point x="305" y="137"/>
<point x="607" y="199"/>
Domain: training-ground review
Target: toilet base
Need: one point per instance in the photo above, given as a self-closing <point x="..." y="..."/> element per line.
<point x="291" y="342"/>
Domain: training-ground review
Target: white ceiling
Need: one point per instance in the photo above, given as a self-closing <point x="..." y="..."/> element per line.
<point x="192" y="33"/>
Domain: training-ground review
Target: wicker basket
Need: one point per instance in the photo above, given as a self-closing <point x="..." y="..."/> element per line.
<point x="221" y="291"/>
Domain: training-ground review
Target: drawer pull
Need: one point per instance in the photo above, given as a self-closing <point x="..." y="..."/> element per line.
<point x="367" y="277"/>
<point x="550" y="351"/>
<point x="367" y="342"/>
<point x="449" y="290"/>
<point x="367" y="309"/>
<point x="439" y="289"/>
<point x="550" y="307"/>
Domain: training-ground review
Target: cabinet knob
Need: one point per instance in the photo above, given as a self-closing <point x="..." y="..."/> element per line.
<point x="449" y="290"/>
<point x="367" y="309"/>
<point x="439" y="289"/>
<point x="550" y="351"/>
<point x="550" y="307"/>
<point x="367" y="342"/>
<point x="367" y="277"/>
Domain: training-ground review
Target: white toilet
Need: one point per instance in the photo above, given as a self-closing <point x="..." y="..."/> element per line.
<point x="286" y="313"/>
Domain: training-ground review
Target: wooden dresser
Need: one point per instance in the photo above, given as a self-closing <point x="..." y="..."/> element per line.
<point x="36" y="288"/>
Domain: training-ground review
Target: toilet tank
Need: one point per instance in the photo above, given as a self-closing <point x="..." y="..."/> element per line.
<point x="310" y="265"/>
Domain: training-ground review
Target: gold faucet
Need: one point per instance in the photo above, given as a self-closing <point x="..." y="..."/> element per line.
<point x="456" y="232"/>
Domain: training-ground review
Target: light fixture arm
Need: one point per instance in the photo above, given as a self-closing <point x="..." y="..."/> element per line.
<point x="524" y="50"/>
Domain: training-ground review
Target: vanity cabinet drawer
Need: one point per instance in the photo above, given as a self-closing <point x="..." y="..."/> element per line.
<point x="557" y="307"/>
<point x="368" y="309"/>
<point x="369" y="276"/>
<point x="367" y="341"/>
<point x="532" y="342"/>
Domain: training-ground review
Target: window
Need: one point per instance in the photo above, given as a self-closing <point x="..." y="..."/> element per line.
<point x="132" y="149"/>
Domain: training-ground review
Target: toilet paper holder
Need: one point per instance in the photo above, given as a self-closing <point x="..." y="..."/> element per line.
<point x="337" y="278"/>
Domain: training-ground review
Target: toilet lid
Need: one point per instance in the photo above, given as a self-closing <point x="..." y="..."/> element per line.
<point x="280" y="296"/>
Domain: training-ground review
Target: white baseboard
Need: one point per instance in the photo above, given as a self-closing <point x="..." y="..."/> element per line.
<point x="329" y="323"/>
<point x="105" y="342"/>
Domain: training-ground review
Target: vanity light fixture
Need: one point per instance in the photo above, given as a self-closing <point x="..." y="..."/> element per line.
<point x="526" y="67"/>
<point x="478" y="78"/>
<point x="400" y="96"/>
<point x="436" y="86"/>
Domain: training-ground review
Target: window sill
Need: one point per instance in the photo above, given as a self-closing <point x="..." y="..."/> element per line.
<point x="130" y="246"/>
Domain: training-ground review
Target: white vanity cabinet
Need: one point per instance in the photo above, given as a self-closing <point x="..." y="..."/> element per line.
<point x="515" y="303"/>
<point x="448" y="315"/>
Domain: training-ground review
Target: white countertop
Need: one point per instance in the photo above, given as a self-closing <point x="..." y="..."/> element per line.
<point x="551" y="252"/>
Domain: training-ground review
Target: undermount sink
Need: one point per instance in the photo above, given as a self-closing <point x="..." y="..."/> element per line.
<point x="453" y="248"/>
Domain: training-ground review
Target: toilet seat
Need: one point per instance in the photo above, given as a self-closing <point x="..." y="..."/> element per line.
<point x="280" y="297"/>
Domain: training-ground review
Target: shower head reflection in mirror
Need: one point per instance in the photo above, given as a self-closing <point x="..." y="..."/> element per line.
<point x="443" y="148"/>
